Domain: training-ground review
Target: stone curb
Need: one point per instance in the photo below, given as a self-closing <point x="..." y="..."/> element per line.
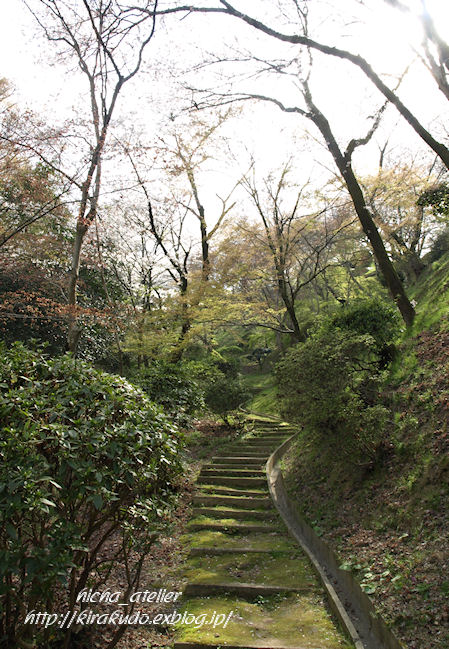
<point x="358" y="617"/>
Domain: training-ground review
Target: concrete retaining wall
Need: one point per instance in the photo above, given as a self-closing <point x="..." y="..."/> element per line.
<point x="348" y="601"/>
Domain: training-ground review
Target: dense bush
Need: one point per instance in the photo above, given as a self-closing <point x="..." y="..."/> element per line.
<point x="186" y="388"/>
<point x="221" y="385"/>
<point x="374" y="317"/>
<point x="225" y="394"/>
<point x="174" y="386"/>
<point x="440" y="246"/>
<point x="326" y="385"/>
<point x="85" y="457"/>
<point x="331" y="382"/>
<point x="370" y="316"/>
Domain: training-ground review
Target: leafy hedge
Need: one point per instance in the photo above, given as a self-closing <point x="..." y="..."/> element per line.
<point x="84" y="456"/>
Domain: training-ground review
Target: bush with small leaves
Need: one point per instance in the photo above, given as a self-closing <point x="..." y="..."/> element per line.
<point x="374" y="317"/>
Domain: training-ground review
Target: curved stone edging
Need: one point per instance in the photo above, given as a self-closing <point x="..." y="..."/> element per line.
<point x="363" y="625"/>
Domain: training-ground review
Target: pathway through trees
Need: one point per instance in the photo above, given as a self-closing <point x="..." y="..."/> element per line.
<point x="242" y="559"/>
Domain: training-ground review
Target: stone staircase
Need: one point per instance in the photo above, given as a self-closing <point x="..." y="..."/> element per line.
<point x="243" y="562"/>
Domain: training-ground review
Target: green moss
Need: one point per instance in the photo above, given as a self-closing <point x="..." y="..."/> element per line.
<point x="206" y="520"/>
<point x="231" y="508"/>
<point x="270" y="622"/>
<point x="290" y="570"/>
<point x="258" y="541"/>
<point x="241" y="492"/>
<point x="265" y="398"/>
<point x="431" y="294"/>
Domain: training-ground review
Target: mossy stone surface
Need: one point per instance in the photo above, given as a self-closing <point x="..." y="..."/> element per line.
<point x="289" y="570"/>
<point x="238" y="491"/>
<point x="222" y="539"/>
<point x="206" y="520"/>
<point x="243" y="555"/>
<point x="276" y="621"/>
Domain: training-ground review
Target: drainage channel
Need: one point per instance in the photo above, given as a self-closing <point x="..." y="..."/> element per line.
<point x="244" y="568"/>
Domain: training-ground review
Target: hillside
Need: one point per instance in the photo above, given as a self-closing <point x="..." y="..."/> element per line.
<point x="389" y="522"/>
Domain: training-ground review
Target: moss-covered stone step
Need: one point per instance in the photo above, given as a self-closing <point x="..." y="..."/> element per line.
<point x="286" y="571"/>
<point x="276" y="441"/>
<point x="242" y="514"/>
<point x="251" y="444"/>
<point x="208" y="551"/>
<point x="232" y="481"/>
<point x="273" y="427"/>
<point x="242" y="472"/>
<point x="246" y="591"/>
<point x="258" y="446"/>
<point x="226" y="490"/>
<point x="271" y="437"/>
<point x="223" y="459"/>
<point x="261" y="434"/>
<point x="227" y="539"/>
<point x="195" y="645"/>
<point x="230" y="525"/>
<point x="260" y="454"/>
<point x="282" y="621"/>
<point x="271" y="431"/>
<point x="236" y="465"/>
<point x="254" y="455"/>
<point x="242" y="503"/>
<point x="230" y="520"/>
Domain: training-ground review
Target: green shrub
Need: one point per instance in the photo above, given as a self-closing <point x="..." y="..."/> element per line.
<point x="330" y="385"/>
<point x="225" y="394"/>
<point x="371" y="316"/>
<point x="440" y="246"/>
<point x="85" y="457"/>
<point x="174" y="386"/>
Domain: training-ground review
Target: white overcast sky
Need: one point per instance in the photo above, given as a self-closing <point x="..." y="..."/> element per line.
<point x="381" y="34"/>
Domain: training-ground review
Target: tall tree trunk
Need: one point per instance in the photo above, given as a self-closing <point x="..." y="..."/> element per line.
<point x="185" y="321"/>
<point x="344" y="165"/>
<point x="74" y="330"/>
<point x="204" y="246"/>
<point x="439" y="148"/>
<point x="297" y="335"/>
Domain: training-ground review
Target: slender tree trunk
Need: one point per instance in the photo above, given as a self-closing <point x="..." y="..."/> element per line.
<point x="204" y="246"/>
<point x="74" y="330"/>
<point x="297" y="335"/>
<point x="387" y="269"/>
<point x="343" y="163"/>
<point x="185" y="321"/>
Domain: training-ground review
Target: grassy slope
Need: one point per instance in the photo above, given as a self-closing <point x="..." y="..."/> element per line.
<point x="390" y="525"/>
<point x="265" y="398"/>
